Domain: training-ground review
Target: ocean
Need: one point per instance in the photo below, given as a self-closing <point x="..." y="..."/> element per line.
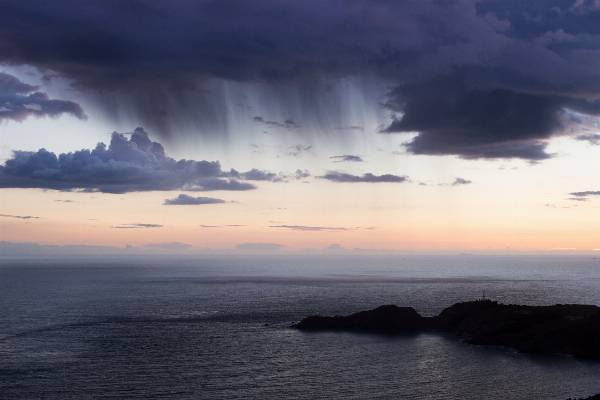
<point x="217" y="327"/>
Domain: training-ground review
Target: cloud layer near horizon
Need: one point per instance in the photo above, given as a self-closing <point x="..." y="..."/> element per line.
<point x="476" y="79"/>
<point x="133" y="165"/>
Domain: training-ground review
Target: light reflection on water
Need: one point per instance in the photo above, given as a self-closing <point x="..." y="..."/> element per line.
<point x="197" y="328"/>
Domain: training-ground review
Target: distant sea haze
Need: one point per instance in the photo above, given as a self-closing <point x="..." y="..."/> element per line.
<point x="218" y="328"/>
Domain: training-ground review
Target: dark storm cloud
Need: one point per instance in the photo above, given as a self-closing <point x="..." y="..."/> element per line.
<point x="471" y="123"/>
<point x="184" y="199"/>
<point x="476" y="79"/>
<point x="592" y="138"/>
<point x="585" y="194"/>
<point x="347" y="157"/>
<point x="133" y="165"/>
<point x="460" y="181"/>
<point x="19" y="100"/>
<point x="342" y="177"/>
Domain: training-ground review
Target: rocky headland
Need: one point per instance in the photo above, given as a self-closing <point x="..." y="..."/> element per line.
<point x="595" y="397"/>
<point x="570" y="329"/>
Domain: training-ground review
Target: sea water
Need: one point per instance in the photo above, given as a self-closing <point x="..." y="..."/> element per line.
<point x="218" y="328"/>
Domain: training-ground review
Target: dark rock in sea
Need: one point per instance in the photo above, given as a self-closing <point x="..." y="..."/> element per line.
<point x="570" y="329"/>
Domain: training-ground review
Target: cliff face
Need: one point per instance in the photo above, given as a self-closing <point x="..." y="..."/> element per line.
<point x="567" y="329"/>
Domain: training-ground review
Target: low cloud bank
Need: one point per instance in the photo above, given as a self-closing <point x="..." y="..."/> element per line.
<point x="260" y="247"/>
<point x="173" y="246"/>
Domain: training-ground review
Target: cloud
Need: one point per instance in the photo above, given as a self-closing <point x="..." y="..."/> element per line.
<point x="286" y="124"/>
<point x="35" y="249"/>
<point x="184" y="199"/>
<point x="299" y="174"/>
<point x="310" y="228"/>
<point x="347" y="158"/>
<point x="220" y="226"/>
<point x="475" y="79"/>
<point x="334" y="248"/>
<point x="19" y="216"/>
<point x="137" y="225"/>
<point x="133" y="165"/>
<point x="351" y="128"/>
<point x="257" y="175"/>
<point x="173" y="246"/>
<point x="260" y="247"/>
<point x="18" y="101"/>
<point x="592" y="138"/>
<point x="585" y="194"/>
<point x="454" y="119"/>
<point x="210" y="184"/>
<point x="460" y="181"/>
<point x="342" y="177"/>
<point x="298" y="149"/>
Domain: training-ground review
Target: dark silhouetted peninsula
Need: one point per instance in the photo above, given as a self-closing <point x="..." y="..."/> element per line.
<point x="570" y="329"/>
<point x="595" y="397"/>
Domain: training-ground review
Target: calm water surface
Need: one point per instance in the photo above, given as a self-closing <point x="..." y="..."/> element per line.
<point x="217" y="328"/>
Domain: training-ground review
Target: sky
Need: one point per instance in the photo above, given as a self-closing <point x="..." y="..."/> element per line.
<point x="287" y="126"/>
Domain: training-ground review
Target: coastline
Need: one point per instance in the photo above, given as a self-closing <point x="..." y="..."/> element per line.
<point x="570" y="329"/>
